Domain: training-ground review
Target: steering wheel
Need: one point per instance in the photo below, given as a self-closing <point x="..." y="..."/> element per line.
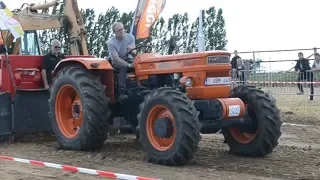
<point x="148" y="50"/>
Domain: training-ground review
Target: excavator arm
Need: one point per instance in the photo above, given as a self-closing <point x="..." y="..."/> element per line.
<point x="31" y="20"/>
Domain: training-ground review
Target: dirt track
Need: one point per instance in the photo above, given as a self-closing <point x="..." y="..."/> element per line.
<point x="297" y="157"/>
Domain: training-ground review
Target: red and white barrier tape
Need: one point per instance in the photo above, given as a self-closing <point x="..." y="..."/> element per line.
<point x="276" y="82"/>
<point x="74" y="169"/>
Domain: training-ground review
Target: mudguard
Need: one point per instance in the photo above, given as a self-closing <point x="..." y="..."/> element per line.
<point x="89" y="63"/>
<point x="5" y="117"/>
<point x="31" y="112"/>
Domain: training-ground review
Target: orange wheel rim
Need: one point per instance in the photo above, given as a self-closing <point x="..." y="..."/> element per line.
<point x="156" y="113"/>
<point x="69" y="112"/>
<point x="243" y="137"/>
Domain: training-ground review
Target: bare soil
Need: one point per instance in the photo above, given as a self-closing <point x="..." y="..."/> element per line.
<point x="296" y="158"/>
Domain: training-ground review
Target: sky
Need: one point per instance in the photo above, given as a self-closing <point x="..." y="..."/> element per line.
<point x="252" y="25"/>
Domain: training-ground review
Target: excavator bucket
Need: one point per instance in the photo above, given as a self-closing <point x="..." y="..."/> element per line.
<point x="31" y="112"/>
<point x="25" y="114"/>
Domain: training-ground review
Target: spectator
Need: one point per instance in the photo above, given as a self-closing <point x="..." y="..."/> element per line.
<point x="240" y="70"/>
<point x="303" y="68"/>
<point x="316" y="64"/>
<point x="234" y="60"/>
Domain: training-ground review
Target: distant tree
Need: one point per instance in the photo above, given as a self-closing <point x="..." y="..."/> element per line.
<point x="178" y="26"/>
<point x="215" y="30"/>
<point x="254" y="66"/>
<point x="99" y="31"/>
<point x="192" y="36"/>
<point x="89" y="20"/>
<point x="158" y="37"/>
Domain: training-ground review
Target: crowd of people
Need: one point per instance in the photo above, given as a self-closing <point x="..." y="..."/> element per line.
<point x="304" y="70"/>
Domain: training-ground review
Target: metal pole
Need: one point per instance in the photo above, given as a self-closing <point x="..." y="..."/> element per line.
<point x="201" y="38"/>
<point x="8" y="60"/>
<point x="254" y="62"/>
<point x="134" y="17"/>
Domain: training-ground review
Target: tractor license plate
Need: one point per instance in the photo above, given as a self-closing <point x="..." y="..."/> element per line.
<point x="217" y="80"/>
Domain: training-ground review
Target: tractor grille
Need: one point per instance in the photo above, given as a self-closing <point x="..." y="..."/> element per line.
<point x="218" y="74"/>
<point x="218" y="60"/>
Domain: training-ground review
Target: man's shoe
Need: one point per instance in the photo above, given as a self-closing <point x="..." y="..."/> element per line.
<point x="300" y="93"/>
<point x="122" y="95"/>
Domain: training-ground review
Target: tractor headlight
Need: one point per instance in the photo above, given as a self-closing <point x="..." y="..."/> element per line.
<point x="188" y="82"/>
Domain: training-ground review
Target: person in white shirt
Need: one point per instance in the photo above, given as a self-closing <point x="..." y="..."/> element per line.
<point x="316" y="64"/>
<point x="241" y="70"/>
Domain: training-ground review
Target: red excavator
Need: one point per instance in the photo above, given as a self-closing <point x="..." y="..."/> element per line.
<point x="24" y="101"/>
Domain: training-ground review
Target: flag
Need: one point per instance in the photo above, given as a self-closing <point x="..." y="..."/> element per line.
<point x="8" y="23"/>
<point x="146" y="13"/>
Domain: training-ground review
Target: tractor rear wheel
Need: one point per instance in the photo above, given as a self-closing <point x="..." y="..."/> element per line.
<point x="260" y="136"/>
<point x="79" y="109"/>
<point x="169" y="127"/>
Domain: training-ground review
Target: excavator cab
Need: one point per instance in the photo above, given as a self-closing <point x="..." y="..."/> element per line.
<point x="28" y="44"/>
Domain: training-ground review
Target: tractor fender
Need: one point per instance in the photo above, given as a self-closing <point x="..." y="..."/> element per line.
<point x="89" y="63"/>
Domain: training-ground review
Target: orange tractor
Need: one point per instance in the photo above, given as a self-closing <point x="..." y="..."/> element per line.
<point x="172" y="100"/>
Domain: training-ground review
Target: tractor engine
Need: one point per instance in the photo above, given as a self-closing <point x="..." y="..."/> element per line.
<point x="204" y="77"/>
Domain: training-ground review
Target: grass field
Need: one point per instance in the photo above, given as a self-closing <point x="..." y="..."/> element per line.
<point x="296" y="157"/>
<point x="299" y="109"/>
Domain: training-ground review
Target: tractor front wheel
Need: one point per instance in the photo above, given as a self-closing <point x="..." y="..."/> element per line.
<point x="79" y="109"/>
<point x="260" y="136"/>
<point x="169" y="127"/>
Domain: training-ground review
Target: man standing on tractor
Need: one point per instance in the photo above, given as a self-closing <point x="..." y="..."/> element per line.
<point x="119" y="46"/>
<point x="50" y="61"/>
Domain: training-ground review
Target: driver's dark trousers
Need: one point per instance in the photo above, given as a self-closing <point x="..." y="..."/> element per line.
<point x="122" y="78"/>
<point x="309" y="77"/>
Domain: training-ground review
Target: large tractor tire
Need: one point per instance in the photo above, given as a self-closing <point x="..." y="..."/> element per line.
<point x="169" y="127"/>
<point x="79" y="109"/>
<point x="260" y="136"/>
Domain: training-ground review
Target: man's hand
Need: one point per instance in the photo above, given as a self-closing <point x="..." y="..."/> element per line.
<point x="131" y="65"/>
<point x="134" y="52"/>
<point x="46" y="86"/>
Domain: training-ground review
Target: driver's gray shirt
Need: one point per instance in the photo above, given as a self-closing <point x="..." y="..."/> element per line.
<point x="120" y="47"/>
